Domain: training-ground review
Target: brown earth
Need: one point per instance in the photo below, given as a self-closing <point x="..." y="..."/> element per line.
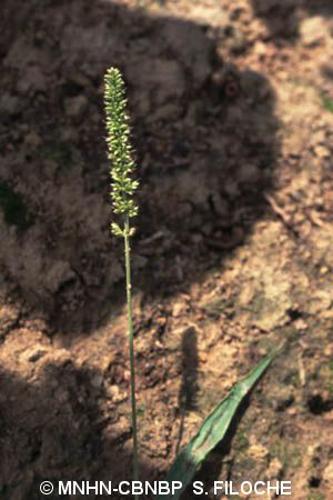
<point x="232" y="121"/>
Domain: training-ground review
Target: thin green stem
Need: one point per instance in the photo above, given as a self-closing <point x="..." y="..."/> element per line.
<point x="131" y="348"/>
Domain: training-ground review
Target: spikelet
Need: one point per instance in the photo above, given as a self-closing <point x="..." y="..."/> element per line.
<point x="119" y="149"/>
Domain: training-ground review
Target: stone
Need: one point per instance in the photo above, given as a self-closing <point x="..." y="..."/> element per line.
<point x="58" y="273"/>
<point x="193" y="48"/>
<point x="249" y="173"/>
<point x="158" y="82"/>
<point x="231" y="188"/>
<point x="9" y="104"/>
<point x="312" y="31"/>
<point x="275" y="468"/>
<point x="33" y="81"/>
<point x="33" y="139"/>
<point x="34" y="354"/>
<point x="221" y="206"/>
<point x="328" y="475"/>
<point x="97" y="381"/>
<point x="76" y="106"/>
<point x="322" y="151"/>
<point x="177" y="309"/>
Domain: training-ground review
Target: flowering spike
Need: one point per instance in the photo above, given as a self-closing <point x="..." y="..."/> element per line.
<point x="119" y="148"/>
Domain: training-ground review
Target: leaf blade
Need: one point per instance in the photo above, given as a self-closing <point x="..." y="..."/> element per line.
<point x="213" y="429"/>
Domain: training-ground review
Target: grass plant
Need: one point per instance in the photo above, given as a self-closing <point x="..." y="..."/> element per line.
<point x="124" y="206"/>
<point x="216" y="425"/>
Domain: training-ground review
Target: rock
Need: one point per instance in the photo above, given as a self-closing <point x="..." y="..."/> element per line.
<point x="215" y="15"/>
<point x="168" y="111"/>
<point x="328" y="475"/>
<point x="275" y="469"/>
<point x="116" y="394"/>
<point x="9" y="105"/>
<point x="177" y="309"/>
<point x="231" y="188"/>
<point x="35" y="355"/>
<point x="33" y="139"/>
<point x="158" y="82"/>
<point x="22" y="54"/>
<point x="257" y="451"/>
<point x="263" y="7"/>
<point x="249" y="174"/>
<point x="97" y="381"/>
<point x="9" y="315"/>
<point x="260" y="48"/>
<point x="184" y="210"/>
<point x="58" y="273"/>
<point x="197" y="238"/>
<point x="233" y="39"/>
<point x="312" y="31"/>
<point x="318" y="138"/>
<point x="192" y="48"/>
<point x="322" y="151"/>
<point x="221" y="206"/>
<point x="76" y="106"/>
<point x="321" y="300"/>
<point x="34" y="80"/>
<point x="139" y="261"/>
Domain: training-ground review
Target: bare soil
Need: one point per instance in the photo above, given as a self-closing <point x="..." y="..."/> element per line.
<point x="232" y="117"/>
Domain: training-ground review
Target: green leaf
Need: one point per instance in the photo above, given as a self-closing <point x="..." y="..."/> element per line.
<point x="213" y="430"/>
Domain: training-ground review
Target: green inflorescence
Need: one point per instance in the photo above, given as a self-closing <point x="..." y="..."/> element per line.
<point x="122" y="194"/>
<point x="119" y="149"/>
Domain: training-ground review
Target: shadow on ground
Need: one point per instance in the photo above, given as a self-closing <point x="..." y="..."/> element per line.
<point x="283" y="18"/>
<point x="204" y="132"/>
<point x="60" y="423"/>
<point x="53" y="429"/>
<point x="189" y="386"/>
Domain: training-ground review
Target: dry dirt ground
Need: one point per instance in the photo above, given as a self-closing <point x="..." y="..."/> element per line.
<point x="232" y="106"/>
